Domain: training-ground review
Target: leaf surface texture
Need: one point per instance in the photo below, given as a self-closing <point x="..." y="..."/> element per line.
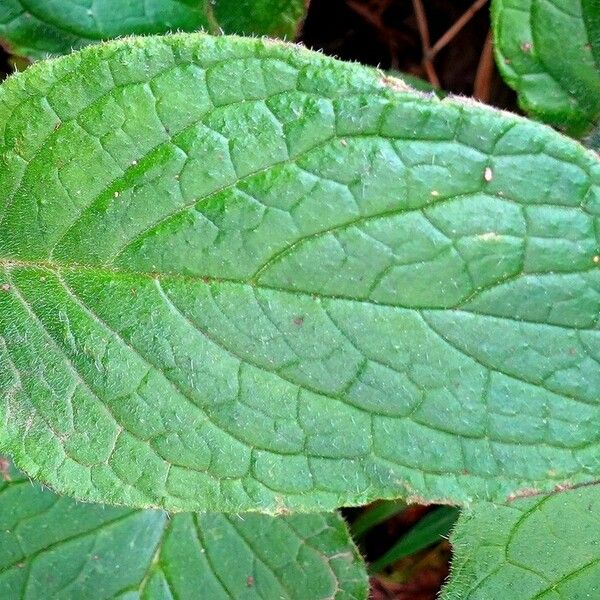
<point x="40" y="28"/>
<point x="237" y="275"/>
<point x="535" y="548"/>
<point x="53" y="547"/>
<point x="549" y="52"/>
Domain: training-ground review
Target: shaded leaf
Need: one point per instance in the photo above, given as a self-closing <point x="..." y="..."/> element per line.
<point x="543" y="547"/>
<point x="417" y="83"/>
<point x="237" y="275"/>
<point x="431" y="529"/>
<point x="549" y="52"/>
<point x="52" y="547"/>
<point x="38" y="28"/>
<point x="375" y="515"/>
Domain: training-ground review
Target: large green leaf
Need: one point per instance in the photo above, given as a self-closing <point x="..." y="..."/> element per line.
<point x="40" y="28"/>
<point x="238" y="275"/>
<point x="544" y="548"/>
<point x="52" y="547"/>
<point x="549" y="52"/>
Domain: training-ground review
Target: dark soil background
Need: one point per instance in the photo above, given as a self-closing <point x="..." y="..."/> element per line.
<point x="385" y="33"/>
<point x="399" y="35"/>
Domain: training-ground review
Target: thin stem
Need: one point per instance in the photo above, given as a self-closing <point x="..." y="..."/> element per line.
<point x="421" y="18"/>
<point x="456" y="27"/>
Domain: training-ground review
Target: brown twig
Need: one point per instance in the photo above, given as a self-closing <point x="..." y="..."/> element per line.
<point x="482" y="88"/>
<point x="375" y="19"/>
<point x="366" y="13"/>
<point x="421" y="18"/>
<point x="456" y="27"/>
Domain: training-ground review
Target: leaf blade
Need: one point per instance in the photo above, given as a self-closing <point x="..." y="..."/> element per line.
<point x="235" y="308"/>
<point x="55" y="546"/>
<point x="37" y="29"/>
<point x="536" y="547"/>
<point x="557" y="78"/>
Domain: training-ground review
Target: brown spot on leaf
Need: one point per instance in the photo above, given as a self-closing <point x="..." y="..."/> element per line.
<point x="524" y="493"/>
<point x="526" y="47"/>
<point x="4" y="469"/>
<point x="396" y="84"/>
<point x="298" y="321"/>
<point x="249" y="581"/>
<point x="5" y="287"/>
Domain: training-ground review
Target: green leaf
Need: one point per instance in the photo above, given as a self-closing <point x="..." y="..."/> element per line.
<point x="429" y="530"/>
<point x="38" y="28"/>
<point x="375" y="515"/>
<point x="544" y="548"/>
<point x="52" y="547"/>
<point x="237" y="275"/>
<point x="549" y="52"/>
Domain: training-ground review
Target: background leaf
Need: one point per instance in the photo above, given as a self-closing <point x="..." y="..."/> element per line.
<point x="38" y="28"/>
<point x="541" y="547"/>
<point x="52" y="547"/>
<point x="549" y="52"/>
<point x="429" y="530"/>
<point x="237" y="275"/>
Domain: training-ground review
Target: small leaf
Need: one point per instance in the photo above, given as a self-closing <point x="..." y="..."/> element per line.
<point x="237" y="275"/>
<point x="549" y="52"/>
<point x="431" y="529"/>
<point x="38" y="28"/>
<point x="541" y="547"/>
<point x="375" y="515"/>
<point x="52" y="547"/>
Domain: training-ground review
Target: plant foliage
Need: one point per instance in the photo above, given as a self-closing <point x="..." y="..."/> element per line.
<point x="39" y="28"/>
<point x="303" y="291"/>
<point x="549" y="52"/>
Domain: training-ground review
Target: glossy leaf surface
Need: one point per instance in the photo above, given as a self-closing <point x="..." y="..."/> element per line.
<point x="237" y="275"/>
<point x="549" y="52"/>
<point x="544" y="548"/>
<point x="53" y="547"/>
<point x="41" y="28"/>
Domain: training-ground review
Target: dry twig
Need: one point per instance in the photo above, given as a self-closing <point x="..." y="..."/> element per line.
<point x="456" y="27"/>
<point x="425" y="42"/>
<point x="482" y="88"/>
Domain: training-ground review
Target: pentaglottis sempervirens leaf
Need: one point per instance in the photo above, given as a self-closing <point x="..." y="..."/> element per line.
<point x="238" y="275"/>
<point x="53" y="547"/>
<point x="543" y="547"/>
<point x="549" y="52"/>
<point x="38" y="28"/>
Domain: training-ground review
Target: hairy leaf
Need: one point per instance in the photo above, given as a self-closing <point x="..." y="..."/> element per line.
<point x="53" y="547"/>
<point x="549" y="52"/>
<point x="41" y="28"/>
<point x="544" y="548"/>
<point x="237" y="275"/>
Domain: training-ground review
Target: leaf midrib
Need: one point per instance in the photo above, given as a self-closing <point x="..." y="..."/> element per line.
<point x="56" y="268"/>
<point x="420" y="312"/>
